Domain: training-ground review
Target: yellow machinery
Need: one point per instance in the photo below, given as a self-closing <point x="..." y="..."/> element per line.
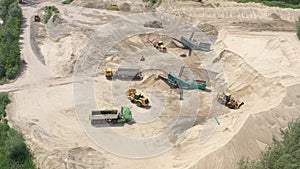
<point x="229" y="101"/>
<point x="137" y="98"/>
<point x="160" y="46"/>
<point x="113" y="7"/>
<point x="108" y="73"/>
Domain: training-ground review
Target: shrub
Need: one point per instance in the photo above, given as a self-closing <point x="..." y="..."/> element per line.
<point x="298" y="28"/>
<point x="283" y="154"/>
<point x="67" y="1"/>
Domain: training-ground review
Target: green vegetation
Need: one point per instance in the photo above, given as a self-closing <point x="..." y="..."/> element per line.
<point x="283" y="154"/>
<point x="49" y="10"/>
<point x="298" y="28"/>
<point x="280" y="3"/>
<point x="67" y="1"/>
<point x="10" y="30"/>
<point x="13" y="151"/>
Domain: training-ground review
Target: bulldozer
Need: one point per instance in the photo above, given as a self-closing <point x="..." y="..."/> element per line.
<point x="160" y="46"/>
<point x="113" y="7"/>
<point x="229" y="101"/>
<point x="137" y="98"/>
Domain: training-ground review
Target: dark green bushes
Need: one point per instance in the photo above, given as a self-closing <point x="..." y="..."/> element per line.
<point x="283" y="154"/>
<point x="11" y="14"/>
<point x="298" y="28"/>
<point x="67" y="1"/>
<point x="280" y="3"/>
<point x="49" y="10"/>
<point x="13" y="151"/>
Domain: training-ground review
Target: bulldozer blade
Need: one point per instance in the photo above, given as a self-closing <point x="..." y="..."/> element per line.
<point x="241" y="104"/>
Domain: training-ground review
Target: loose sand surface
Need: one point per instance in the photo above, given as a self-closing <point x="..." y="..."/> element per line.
<point x="255" y="57"/>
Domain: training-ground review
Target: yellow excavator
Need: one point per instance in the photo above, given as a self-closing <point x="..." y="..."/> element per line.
<point x="229" y="101"/>
<point x="137" y="98"/>
<point x="160" y="46"/>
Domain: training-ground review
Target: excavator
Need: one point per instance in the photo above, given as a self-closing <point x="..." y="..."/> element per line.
<point x="137" y="98"/>
<point x="229" y="101"/>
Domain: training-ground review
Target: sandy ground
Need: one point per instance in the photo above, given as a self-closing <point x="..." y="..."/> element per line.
<point x="256" y="53"/>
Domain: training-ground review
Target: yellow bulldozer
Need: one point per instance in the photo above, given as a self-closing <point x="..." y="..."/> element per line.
<point x="113" y="7"/>
<point x="137" y="98"/>
<point x="160" y="46"/>
<point x="229" y="101"/>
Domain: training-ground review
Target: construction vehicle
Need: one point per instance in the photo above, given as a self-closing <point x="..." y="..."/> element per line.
<point x="109" y="73"/>
<point x="113" y="7"/>
<point x="191" y="45"/>
<point x="36" y="18"/>
<point x="137" y="98"/>
<point x="153" y="24"/>
<point x="177" y="82"/>
<point x="160" y="46"/>
<point x="229" y="101"/>
<point x="124" y="73"/>
<point x="111" y="116"/>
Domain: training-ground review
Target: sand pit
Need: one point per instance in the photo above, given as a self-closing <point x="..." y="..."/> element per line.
<point x="259" y="66"/>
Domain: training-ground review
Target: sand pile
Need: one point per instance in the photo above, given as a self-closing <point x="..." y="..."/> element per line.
<point x="247" y="84"/>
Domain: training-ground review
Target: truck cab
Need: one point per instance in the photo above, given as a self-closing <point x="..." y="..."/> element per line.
<point x="108" y="73"/>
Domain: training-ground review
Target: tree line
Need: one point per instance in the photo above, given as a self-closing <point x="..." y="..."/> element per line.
<point x="14" y="153"/>
<point x="295" y="4"/>
<point x="284" y="154"/>
<point x="11" y="15"/>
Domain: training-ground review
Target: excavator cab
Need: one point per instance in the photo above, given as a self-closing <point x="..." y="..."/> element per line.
<point x="138" y="95"/>
<point x="160" y="43"/>
<point x="108" y="73"/>
<point x="227" y="96"/>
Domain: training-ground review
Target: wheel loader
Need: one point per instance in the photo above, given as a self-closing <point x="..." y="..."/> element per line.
<point x="229" y="101"/>
<point x="113" y="7"/>
<point x="160" y="46"/>
<point x="137" y="98"/>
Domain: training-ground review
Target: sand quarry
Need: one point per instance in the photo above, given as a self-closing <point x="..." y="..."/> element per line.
<point x="255" y="56"/>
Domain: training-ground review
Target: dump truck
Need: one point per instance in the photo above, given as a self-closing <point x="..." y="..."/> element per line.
<point x="124" y="73"/>
<point x="113" y="7"/>
<point x="153" y="24"/>
<point x="137" y="98"/>
<point x="229" y="101"/>
<point x="111" y="116"/>
<point x="160" y="46"/>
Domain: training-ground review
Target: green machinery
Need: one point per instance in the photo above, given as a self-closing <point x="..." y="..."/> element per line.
<point x="111" y="116"/>
<point x="178" y="82"/>
<point x="191" y="45"/>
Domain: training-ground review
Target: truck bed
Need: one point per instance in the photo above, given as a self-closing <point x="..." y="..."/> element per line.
<point x="104" y="114"/>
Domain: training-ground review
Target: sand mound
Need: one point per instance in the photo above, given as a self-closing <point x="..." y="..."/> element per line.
<point x="246" y="83"/>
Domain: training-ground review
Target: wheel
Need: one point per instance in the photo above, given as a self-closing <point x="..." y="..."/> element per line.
<point x="114" y="121"/>
<point x="231" y="106"/>
<point x="220" y="101"/>
<point x="139" y="104"/>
